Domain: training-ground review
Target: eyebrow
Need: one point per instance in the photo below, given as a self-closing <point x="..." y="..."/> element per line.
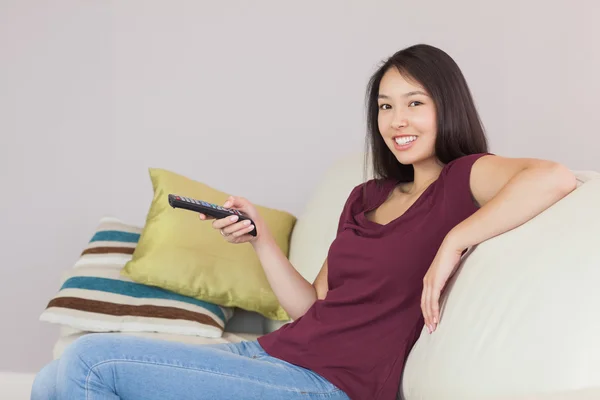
<point x="383" y="96"/>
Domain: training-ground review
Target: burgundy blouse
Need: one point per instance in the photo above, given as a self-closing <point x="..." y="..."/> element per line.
<point x="360" y="335"/>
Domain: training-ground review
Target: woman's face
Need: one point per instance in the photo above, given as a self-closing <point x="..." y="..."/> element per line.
<point x="406" y="119"/>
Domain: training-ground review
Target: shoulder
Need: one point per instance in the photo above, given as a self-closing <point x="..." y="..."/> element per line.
<point x="372" y="189"/>
<point x="460" y="170"/>
<point x="465" y="164"/>
<point x="491" y="173"/>
<point x="367" y="193"/>
<point x="486" y="173"/>
<point x="458" y="178"/>
<point x="359" y="198"/>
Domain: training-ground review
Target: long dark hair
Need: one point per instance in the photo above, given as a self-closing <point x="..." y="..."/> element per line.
<point x="460" y="131"/>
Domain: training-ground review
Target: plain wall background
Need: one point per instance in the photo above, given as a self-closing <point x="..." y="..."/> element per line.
<point x="254" y="98"/>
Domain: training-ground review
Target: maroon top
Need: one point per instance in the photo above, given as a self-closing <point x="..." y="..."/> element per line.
<point x="359" y="336"/>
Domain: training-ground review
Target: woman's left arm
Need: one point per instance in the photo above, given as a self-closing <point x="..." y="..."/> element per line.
<point x="510" y="192"/>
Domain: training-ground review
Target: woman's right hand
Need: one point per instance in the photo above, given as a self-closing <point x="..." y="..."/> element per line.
<point x="235" y="231"/>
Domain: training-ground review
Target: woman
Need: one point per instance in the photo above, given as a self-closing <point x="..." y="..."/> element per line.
<point x="400" y="237"/>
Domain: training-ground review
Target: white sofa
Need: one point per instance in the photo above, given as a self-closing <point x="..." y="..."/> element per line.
<point x="519" y="319"/>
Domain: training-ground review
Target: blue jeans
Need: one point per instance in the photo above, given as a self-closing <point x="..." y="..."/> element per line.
<point x="103" y="366"/>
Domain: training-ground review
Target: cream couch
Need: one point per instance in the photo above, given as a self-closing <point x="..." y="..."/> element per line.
<point x="520" y="317"/>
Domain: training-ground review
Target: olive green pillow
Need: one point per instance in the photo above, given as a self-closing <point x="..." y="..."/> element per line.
<point x="179" y="252"/>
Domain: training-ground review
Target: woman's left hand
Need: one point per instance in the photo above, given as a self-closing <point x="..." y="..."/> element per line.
<point x="443" y="266"/>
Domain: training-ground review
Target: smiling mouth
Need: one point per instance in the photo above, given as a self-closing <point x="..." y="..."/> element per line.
<point x="404" y="140"/>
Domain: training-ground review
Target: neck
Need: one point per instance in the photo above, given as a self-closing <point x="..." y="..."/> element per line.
<point x="426" y="172"/>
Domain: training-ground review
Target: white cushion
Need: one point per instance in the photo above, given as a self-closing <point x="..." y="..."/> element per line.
<point x="521" y="314"/>
<point x="316" y="228"/>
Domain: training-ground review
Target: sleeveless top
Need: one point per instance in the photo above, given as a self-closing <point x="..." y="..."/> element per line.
<point x="360" y="335"/>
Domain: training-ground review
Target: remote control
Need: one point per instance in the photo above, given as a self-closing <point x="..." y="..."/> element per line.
<point x="210" y="209"/>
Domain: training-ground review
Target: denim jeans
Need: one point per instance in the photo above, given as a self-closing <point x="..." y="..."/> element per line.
<point x="103" y="366"/>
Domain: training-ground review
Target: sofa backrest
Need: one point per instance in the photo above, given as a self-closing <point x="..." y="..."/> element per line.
<point x="520" y="316"/>
<point x="316" y="228"/>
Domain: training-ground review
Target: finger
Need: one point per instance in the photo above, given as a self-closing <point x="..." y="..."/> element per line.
<point x="243" y="231"/>
<point x="435" y="308"/>
<point x="426" y="306"/>
<point x="223" y="222"/>
<point x="232" y="202"/>
<point x="423" y="301"/>
<point x="239" y="226"/>
<point x="430" y="305"/>
<point x="430" y="291"/>
<point x="236" y="203"/>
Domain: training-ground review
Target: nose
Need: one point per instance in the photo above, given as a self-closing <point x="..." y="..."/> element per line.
<point x="399" y="120"/>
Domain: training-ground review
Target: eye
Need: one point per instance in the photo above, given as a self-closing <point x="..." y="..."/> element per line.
<point x="382" y="106"/>
<point x="413" y="102"/>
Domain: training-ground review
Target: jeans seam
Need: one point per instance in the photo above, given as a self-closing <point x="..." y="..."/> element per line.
<point x="329" y="393"/>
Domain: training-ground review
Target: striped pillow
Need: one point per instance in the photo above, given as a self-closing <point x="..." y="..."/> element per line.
<point x="95" y="296"/>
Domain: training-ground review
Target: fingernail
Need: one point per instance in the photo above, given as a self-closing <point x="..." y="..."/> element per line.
<point x="251" y="227"/>
<point x="233" y="218"/>
<point x="226" y="204"/>
<point x="246" y="222"/>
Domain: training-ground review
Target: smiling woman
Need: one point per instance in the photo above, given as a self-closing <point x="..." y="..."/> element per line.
<point x="436" y="192"/>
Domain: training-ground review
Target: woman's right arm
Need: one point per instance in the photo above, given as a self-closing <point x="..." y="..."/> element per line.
<point x="295" y="294"/>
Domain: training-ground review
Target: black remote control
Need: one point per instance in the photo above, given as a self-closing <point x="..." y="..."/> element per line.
<point x="211" y="209"/>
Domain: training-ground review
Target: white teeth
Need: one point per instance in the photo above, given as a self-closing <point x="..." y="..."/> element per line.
<point x="405" y="139"/>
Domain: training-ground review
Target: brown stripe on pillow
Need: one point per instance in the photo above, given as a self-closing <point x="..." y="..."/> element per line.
<point x="150" y="311"/>
<point x="107" y="250"/>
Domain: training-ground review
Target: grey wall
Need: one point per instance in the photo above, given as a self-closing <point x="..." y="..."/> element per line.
<point x="245" y="96"/>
